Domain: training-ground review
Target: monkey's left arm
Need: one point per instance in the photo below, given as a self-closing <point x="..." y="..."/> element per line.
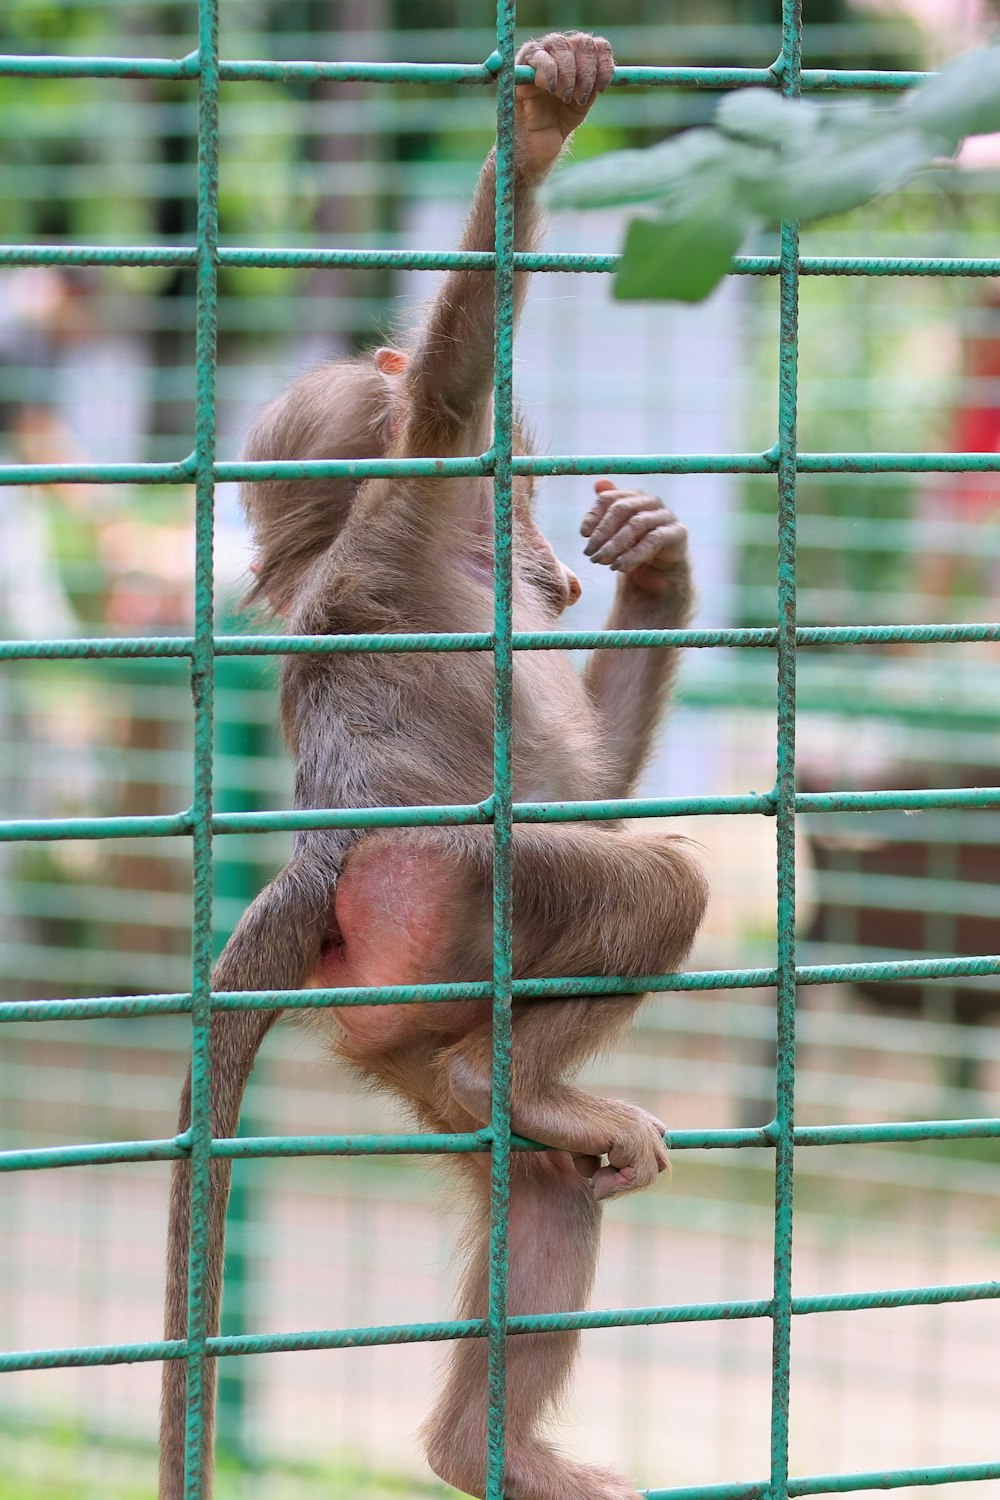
<point x="635" y="535"/>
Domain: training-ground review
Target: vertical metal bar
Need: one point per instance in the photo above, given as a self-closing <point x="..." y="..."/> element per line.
<point x="791" y="56"/>
<point x="236" y="877"/>
<point x="202" y="687"/>
<point x="503" y="665"/>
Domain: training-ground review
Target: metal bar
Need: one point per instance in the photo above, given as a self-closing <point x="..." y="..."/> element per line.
<point x="413" y="1333"/>
<point x="197" y="1436"/>
<point x="188" y="68"/>
<point x="22" y="474"/>
<point x="791" y="58"/>
<point x="314" y="257"/>
<point x="755" y="638"/>
<point x="178" y="1003"/>
<point x="103" y="1153"/>
<point x="834" y="1484"/>
<point x="541" y="466"/>
<point x="547" y="465"/>
<point x="168" y="825"/>
<point x="503" y="690"/>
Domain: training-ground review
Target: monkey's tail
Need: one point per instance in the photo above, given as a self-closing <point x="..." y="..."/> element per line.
<point x="275" y="946"/>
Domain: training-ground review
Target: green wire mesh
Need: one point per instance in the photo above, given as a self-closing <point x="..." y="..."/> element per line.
<point x="204" y="70"/>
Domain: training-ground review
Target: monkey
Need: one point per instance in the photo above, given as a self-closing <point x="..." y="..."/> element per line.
<point x="413" y="905"/>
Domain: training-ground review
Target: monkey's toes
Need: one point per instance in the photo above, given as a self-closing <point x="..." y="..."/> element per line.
<point x="635" y="1160"/>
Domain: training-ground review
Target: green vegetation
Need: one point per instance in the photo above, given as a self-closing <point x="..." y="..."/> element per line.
<point x="63" y="1462"/>
<point x="767" y="159"/>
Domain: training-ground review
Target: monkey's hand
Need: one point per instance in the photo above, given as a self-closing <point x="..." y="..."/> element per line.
<point x="634" y="534"/>
<point x="571" y="69"/>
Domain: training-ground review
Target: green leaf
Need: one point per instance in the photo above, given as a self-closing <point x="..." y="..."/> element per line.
<point x="844" y="174"/>
<point x="964" y="99"/>
<point x="660" y="174"/>
<point x="678" y="259"/>
<point x="768" y="159"/>
<point x="757" y="115"/>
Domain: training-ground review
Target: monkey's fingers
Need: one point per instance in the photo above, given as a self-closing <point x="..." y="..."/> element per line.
<point x="554" y="61"/>
<point x="630" y="534"/>
<point x="605" y="63"/>
<point x="533" y="55"/>
<point x="661" y="549"/>
<point x="607" y="493"/>
<point x="622" y="508"/>
<point x="575" y="66"/>
<point x="586" y="66"/>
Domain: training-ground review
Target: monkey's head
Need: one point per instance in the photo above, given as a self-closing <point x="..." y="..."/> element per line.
<point x="350" y="408"/>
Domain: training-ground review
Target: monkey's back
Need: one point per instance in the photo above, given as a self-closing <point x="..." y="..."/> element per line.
<point x="382" y="729"/>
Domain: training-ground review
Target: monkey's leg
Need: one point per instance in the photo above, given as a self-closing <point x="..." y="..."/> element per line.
<point x="549" y="1038"/>
<point x="586" y="901"/>
<point x="553" y="1243"/>
<point x="415" y="906"/>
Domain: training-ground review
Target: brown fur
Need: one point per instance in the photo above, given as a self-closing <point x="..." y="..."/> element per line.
<point x="415" y="905"/>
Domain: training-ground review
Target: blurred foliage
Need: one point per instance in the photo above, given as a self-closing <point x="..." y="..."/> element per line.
<point x="766" y="159"/>
<point x="59" y="1461"/>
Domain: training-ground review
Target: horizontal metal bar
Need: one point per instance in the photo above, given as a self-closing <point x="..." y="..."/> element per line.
<point x="547" y="465"/>
<point x="818" y="80"/>
<point x="311" y="71"/>
<point x="412" y="1333"/>
<point x="898" y="463"/>
<point x="165" y="825"/>
<point x="833" y="1484"/>
<point x="867" y="265"/>
<point x="316" y="257"/>
<point x="44" y="1158"/>
<point x="236" y="471"/>
<point x="395" y="817"/>
<point x="179" y="1003"/>
<point x="181" y="646"/>
<point x="898" y="1133"/>
<point x="898" y="801"/>
<point x="47" y="65"/>
<point x="524" y="812"/>
<point x="368" y="468"/>
<point x="875" y="635"/>
<point x="103" y="1153"/>
<point x="458" y="1143"/>
<point x="46" y="830"/>
<point x="162" y="825"/>
<point x="886" y="971"/>
<point x="23" y="474"/>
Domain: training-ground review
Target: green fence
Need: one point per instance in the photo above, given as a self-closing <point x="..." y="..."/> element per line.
<point x="204" y="71"/>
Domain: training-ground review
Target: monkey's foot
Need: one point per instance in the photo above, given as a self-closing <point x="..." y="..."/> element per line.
<point x="632" y="1140"/>
<point x="534" y="1470"/>
<point x="546" y="1475"/>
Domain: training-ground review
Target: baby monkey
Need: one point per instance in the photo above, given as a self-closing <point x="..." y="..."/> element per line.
<point x="414" y="906"/>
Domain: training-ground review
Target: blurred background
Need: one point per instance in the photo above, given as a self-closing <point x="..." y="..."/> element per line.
<point x="97" y="365"/>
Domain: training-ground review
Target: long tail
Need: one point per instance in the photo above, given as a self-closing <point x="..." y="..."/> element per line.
<point x="275" y="946"/>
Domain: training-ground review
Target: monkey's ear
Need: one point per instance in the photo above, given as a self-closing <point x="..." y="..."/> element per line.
<point x="390" y="361"/>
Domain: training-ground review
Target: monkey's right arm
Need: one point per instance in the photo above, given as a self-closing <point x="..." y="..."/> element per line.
<point x="634" y="534"/>
<point x="449" y="376"/>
